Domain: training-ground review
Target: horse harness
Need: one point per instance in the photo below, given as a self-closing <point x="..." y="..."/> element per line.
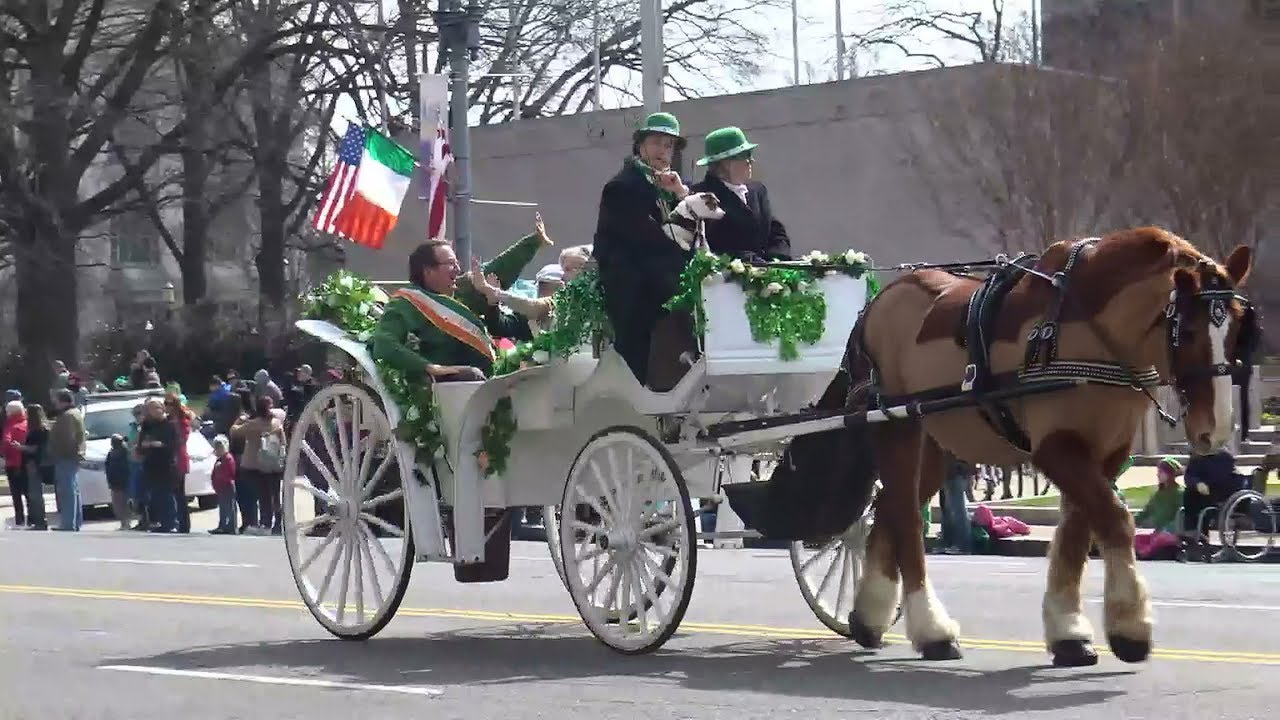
<point x="1040" y="358"/>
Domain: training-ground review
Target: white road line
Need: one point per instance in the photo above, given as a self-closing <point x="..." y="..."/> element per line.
<point x="191" y="563"/>
<point x="1203" y="605"/>
<point x="267" y="680"/>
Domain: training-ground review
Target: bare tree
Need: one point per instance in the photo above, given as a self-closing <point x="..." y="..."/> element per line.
<point x="552" y="45"/>
<point x="924" y="29"/>
<point x="74" y="72"/>
<point x="1021" y="156"/>
<point x="1210" y="127"/>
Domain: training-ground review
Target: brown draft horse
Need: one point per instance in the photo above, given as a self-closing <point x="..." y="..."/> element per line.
<point x="1141" y="299"/>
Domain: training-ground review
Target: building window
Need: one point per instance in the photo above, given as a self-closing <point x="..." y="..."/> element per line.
<point x="135" y="240"/>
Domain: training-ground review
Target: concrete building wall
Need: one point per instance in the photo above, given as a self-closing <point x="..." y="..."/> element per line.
<point x="833" y="156"/>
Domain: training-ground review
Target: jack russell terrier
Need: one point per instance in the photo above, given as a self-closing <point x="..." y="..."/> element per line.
<point x="685" y="225"/>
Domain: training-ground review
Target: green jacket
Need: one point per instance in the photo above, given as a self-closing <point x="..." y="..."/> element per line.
<point x="1161" y="511"/>
<point x="407" y="341"/>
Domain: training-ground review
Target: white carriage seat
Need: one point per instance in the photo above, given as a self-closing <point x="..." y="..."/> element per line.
<point x="612" y="378"/>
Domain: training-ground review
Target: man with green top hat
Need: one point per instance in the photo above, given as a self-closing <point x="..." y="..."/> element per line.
<point x="441" y="328"/>
<point x="639" y="265"/>
<point x="749" y="230"/>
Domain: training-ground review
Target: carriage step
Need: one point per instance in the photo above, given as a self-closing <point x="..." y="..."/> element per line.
<point x="497" y="553"/>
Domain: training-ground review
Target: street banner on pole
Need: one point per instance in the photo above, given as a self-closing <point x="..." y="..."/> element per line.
<point x="436" y="154"/>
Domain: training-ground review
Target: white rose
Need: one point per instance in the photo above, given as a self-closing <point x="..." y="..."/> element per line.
<point x="412" y="413"/>
<point x="802" y="286"/>
<point x="540" y="356"/>
<point x="855" y="258"/>
<point x="771" y="289"/>
<point x="346" y="282"/>
<point x="757" y="272"/>
<point x="364" y="336"/>
<point x="737" y="266"/>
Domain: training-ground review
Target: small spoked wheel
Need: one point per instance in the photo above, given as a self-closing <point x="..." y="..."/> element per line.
<point x="627" y="540"/>
<point x="345" y="528"/>
<point x="829" y="574"/>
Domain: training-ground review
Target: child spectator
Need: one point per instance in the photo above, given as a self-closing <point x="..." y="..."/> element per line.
<point x="118" y="470"/>
<point x="224" y="485"/>
<point x="1160" y="514"/>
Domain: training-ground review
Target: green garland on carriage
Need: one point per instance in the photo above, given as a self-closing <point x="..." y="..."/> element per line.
<point x="782" y="303"/>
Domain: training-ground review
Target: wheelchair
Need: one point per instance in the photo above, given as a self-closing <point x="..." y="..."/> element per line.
<point x="1247" y="523"/>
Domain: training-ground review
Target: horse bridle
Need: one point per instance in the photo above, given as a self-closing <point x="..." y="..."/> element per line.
<point x="1239" y="357"/>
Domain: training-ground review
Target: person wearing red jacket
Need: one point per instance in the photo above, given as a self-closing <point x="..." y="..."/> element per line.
<point x="224" y="486"/>
<point x="181" y="417"/>
<point x="12" y="437"/>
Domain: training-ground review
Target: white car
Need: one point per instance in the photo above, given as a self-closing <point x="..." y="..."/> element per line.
<point x="108" y="414"/>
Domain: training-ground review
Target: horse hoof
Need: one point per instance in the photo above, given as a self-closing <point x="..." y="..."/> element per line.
<point x="1074" y="653"/>
<point x="863" y="635"/>
<point x="941" y="650"/>
<point x="1130" y="651"/>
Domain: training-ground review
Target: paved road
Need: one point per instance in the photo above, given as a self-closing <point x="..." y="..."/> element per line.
<point x="122" y="625"/>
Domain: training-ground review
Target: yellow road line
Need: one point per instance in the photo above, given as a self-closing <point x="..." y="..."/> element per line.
<point x="755" y="631"/>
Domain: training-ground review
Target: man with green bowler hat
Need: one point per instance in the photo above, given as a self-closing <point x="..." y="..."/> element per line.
<point x="639" y="265"/>
<point x="749" y="230"/>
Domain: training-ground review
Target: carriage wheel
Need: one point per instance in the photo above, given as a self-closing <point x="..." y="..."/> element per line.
<point x="829" y="574"/>
<point x="345" y="529"/>
<point x="627" y="540"/>
<point x="1244" y="510"/>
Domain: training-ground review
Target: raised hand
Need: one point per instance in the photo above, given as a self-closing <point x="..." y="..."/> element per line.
<point x="541" y="229"/>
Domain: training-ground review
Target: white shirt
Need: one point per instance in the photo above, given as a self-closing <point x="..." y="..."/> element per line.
<point x="739" y="190"/>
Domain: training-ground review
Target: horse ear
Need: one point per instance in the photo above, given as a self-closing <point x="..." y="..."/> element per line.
<point x="1239" y="263"/>
<point x="1185" y="281"/>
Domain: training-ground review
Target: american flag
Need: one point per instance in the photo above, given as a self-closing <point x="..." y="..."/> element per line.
<point x="439" y="156"/>
<point x="342" y="182"/>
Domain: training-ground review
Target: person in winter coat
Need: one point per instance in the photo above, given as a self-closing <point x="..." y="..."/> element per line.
<point x="116" y="468"/>
<point x="224" y="485"/>
<point x="12" y="437"/>
<point x="158" y="448"/>
<point x="748" y="231"/>
<point x="1160" y="513"/>
<point x="263" y="460"/>
<point x="36" y="462"/>
<point x="264" y="386"/>
<point x="181" y="417"/>
<point x="66" y="450"/>
<point x="639" y="264"/>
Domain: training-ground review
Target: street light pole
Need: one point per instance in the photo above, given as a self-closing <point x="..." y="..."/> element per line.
<point x="460" y="35"/>
<point x="795" y="42"/>
<point x="651" y="53"/>
<point x="839" y="43"/>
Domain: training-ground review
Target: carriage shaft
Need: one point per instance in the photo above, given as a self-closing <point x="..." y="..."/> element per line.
<point x="740" y="433"/>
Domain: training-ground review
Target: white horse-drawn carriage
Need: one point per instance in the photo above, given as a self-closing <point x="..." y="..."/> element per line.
<point x="613" y="464"/>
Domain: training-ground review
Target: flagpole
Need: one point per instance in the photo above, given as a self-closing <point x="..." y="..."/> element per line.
<point x="459" y="30"/>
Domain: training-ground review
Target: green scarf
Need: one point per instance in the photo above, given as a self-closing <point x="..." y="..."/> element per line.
<point x="666" y="199"/>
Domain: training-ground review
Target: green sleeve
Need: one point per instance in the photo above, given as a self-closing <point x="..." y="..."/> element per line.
<point x="507" y="266"/>
<point x="388" y="343"/>
<point x="508" y="325"/>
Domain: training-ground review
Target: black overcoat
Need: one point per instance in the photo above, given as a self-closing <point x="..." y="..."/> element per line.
<point x="639" y="265"/>
<point x="748" y="231"/>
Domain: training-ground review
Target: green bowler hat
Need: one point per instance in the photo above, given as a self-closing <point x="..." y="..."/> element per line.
<point x="663" y="124"/>
<point x="725" y="143"/>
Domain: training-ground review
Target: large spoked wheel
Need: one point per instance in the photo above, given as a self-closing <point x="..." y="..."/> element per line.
<point x="551" y="521"/>
<point x="829" y="574"/>
<point x="345" y="528"/>
<point x="1244" y="513"/>
<point x="627" y="540"/>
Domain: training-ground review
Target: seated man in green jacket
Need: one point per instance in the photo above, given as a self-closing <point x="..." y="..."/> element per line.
<point x="435" y="328"/>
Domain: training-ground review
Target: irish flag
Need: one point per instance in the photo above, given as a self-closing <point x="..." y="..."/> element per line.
<point x="372" y="202"/>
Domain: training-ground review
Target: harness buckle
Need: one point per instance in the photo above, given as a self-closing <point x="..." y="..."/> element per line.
<point x="970" y="377"/>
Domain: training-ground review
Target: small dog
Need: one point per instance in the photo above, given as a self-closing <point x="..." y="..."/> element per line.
<point x="685" y="224"/>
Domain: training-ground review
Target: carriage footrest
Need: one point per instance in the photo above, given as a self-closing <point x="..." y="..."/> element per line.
<point x="497" y="553"/>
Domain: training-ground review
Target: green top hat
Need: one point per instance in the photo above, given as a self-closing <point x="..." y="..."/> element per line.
<point x="725" y="143"/>
<point x="663" y="124"/>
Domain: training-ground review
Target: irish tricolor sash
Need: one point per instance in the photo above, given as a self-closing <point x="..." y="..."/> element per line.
<point x="451" y="317"/>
